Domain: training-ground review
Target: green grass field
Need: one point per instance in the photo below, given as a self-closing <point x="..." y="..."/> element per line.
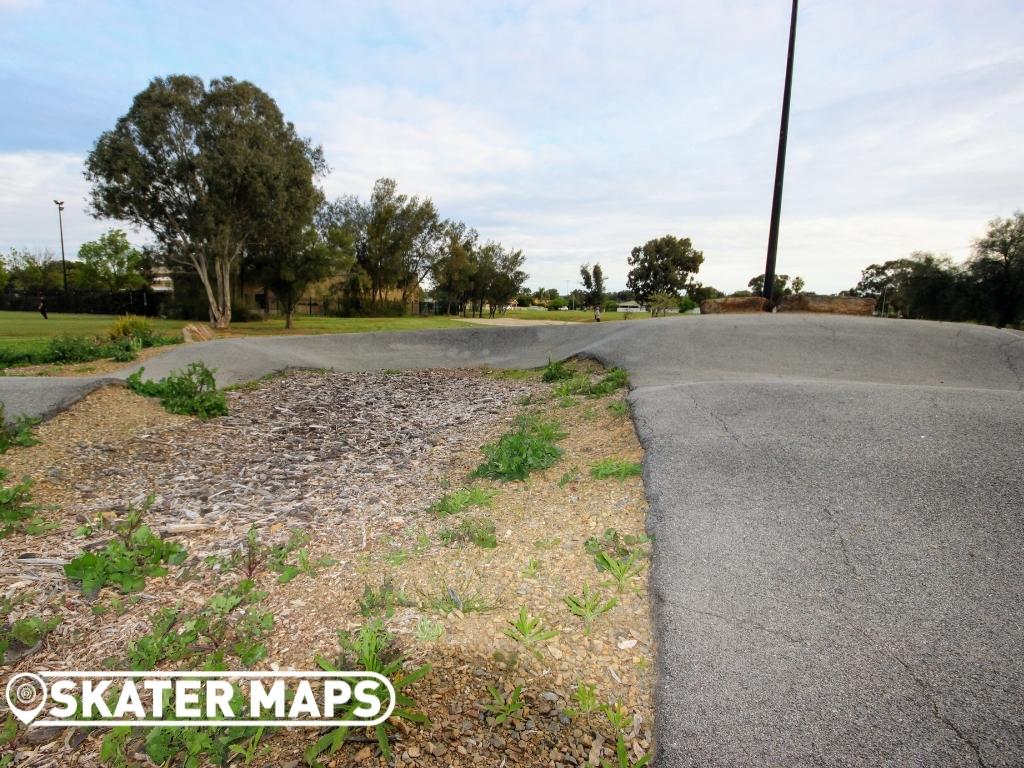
<point x="573" y="315"/>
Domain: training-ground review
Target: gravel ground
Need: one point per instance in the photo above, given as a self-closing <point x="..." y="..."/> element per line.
<point x="355" y="460"/>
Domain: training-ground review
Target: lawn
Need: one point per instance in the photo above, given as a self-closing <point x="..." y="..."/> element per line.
<point x="573" y="315"/>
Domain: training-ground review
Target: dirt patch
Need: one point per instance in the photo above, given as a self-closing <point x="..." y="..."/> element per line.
<point x="356" y="461"/>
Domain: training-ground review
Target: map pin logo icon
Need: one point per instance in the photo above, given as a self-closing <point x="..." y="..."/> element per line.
<point x="26" y="696"/>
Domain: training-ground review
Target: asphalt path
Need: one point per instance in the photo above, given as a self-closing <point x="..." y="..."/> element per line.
<point x="838" y="512"/>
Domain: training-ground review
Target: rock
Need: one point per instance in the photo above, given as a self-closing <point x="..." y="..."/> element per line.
<point x="549" y="696"/>
<point x="734" y="304"/>
<point x="413" y="751"/>
<point x="194" y="332"/>
<point x="833" y="305"/>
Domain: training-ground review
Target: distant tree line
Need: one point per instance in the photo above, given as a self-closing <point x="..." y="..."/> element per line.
<point x="988" y="288"/>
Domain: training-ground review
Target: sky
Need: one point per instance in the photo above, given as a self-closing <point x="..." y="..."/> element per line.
<point x="572" y="130"/>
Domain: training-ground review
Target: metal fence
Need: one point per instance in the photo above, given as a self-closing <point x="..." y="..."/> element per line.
<point x="142" y="302"/>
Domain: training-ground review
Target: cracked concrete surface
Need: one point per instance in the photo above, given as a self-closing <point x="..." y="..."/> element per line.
<point x="838" y="512"/>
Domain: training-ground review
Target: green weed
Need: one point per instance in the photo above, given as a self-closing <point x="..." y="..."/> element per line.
<point x="531" y="569"/>
<point x="589" y="605"/>
<point x="382" y="601"/>
<point x="16" y="433"/>
<point x="585" y="697"/>
<point x="529" y="448"/>
<point x="556" y="371"/>
<point x="371" y="648"/>
<point x="25" y="632"/>
<point x="478" y="530"/>
<point x="530" y="631"/>
<point x="502" y="708"/>
<point x="192" y="391"/>
<point x="134" y="554"/>
<point x="621" y="570"/>
<point x="447" y="600"/>
<point x="618" y="469"/>
<point x="428" y="630"/>
<point x="17" y="513"/>
<point x="619" y="408"/>
<point x="456" y="502"/>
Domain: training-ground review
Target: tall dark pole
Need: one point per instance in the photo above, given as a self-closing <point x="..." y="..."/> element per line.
<point x="60" y="221"/>
<point x="780" y="167"/>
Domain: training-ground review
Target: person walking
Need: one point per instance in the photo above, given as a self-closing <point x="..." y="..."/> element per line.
<point x="42" y="306"/>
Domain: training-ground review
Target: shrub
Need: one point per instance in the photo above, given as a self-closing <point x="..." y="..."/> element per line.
<point x="529" y="448"/>
<point x="191" y="392"/>
<point x="130" y="327"/>
<point x="73" y="349"/>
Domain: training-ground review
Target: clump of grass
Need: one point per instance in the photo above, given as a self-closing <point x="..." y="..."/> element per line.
<point x="618" y="469"/>
<point x="478" y="530"/>
<point x="530" y="447"/>
<point x="17" y="432"/>
<point x="381" y="602"/>
<point x="192" y="391"/>
<point x="580" y="384"/>
<point x="556" y="371"/>
<point x="531" y="569"/>
<point x="456" y="502"/>
<point x="619" y="408"/>
<point x="447" y="599"/>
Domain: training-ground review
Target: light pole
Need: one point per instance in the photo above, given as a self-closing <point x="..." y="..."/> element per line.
<point x="60" y="221"/>
<point x="780" y="167"/>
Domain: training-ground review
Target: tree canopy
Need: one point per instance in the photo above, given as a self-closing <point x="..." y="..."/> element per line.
<point x="663" y="265"/>
<point x="109" y="263"/>
<point x="210" y="171"/>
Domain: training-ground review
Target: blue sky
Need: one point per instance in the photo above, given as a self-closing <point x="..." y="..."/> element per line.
<point x="573" y="130"/>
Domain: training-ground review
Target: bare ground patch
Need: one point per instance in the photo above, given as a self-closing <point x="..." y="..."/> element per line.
<point x="356" y="461"/>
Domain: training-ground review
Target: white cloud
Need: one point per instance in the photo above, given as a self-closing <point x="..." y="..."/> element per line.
<point x="29" y="183"/>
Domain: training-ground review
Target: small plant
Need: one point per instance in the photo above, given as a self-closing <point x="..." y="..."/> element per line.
<point x="580" y="384"/>
<point x="372" y="648"/>
<point x="229" y="624"/>
<point x="577" y="384"/>
<point x="619" y="469"/>
<point x="622" y="758"/>
<point x="478" y="530"/>
<point x="16" y="433"/>
<point x="589" y="606"/>
<point x="621" y="570"/>
<point x="503" y="708"/>
<point x="382" y="601"/>
<point x="529" y="448"/>
<point x="531" y="569"/>
<point x="192" y="391"/>
<point x="619" y="408"/>
<point x="73" y="349"/>
<point x="568" y="477"/>
<point x="428" y="630"/>
<point x="17" y="514"/>
<point x="548" y="542"/>
<point x="614" y="543"/>
<point x="134" y="554"/>
<point x="585" y="697"/>
<point x="21" y="634"/>
<point x="556" y="371"/>
<point x="456" y="502"/>
<point x="530" y="631"/>
<point x="448" y="600"/>
<point x="618" y="716"/>
<point x="304" y="565"/>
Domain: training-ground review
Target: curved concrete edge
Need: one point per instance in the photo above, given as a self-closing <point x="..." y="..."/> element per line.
<point x="42" y="397"/>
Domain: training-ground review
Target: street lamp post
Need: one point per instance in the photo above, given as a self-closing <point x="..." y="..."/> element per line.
<point x="60" y="221"/>
<point x="780" y="167"/>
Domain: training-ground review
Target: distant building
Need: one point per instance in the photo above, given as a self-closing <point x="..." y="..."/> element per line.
<point x="628" y="306"/>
